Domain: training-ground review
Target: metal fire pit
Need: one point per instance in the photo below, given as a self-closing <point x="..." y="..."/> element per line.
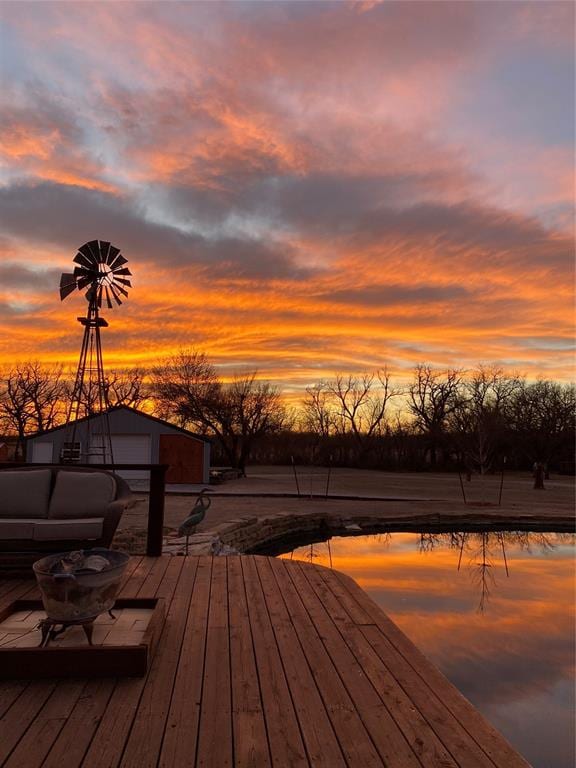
<point x="76" y="587"/>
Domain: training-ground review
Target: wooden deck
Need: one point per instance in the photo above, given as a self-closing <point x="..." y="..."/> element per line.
<point x="262" y="662"/>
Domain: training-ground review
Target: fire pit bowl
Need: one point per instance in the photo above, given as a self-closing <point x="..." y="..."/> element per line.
<point x="78" y="586"/>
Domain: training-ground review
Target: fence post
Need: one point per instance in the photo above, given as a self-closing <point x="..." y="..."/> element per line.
<point x="156" y="511"/>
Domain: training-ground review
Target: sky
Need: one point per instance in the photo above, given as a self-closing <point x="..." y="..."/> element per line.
<point x="300" y="188"/>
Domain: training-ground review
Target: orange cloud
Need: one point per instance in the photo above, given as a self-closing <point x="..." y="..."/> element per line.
<point x="293" y="187"/>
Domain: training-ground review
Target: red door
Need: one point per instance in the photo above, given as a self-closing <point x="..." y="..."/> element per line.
<point x="185" y="457"/>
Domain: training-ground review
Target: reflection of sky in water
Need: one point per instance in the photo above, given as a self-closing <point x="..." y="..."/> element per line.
<point x="506" y="640"/>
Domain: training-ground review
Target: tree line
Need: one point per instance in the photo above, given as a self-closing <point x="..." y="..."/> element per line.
<point x="472" y="420"/>
<point x="441" y="418"/>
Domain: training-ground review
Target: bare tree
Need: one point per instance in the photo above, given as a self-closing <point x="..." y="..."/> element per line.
<point x="349" y="406"/>
<point x="180" y="385"/>
<point x="541" y="415"/>
<point x="242" y="411"/>
<point x="479" y="421"/>
<point x="31" y="399"/>
<point x="317" y="411"/>
<point x="188" y="389"/>
<point x="126" y="387"/>
<point x="361" y="403"/>
<point x="434" y="395"/>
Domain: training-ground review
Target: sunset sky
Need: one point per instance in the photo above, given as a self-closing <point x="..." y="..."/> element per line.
<point x="300" y="188"/>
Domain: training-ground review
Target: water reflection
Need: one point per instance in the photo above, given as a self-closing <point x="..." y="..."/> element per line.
<point x="485" y="551"/>
<point x="495" y="611"/>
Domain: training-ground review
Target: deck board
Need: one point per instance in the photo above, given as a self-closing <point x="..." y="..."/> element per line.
<point x="355" y="741"/>
<point x="181" y="735"/>
<point x="46" y="726"/>
<point x="261" y="663"/>
<point x="249" y="726"/>
<point x="78" y="731"/>
<point x="284" y="735"/>
<point x="145" y="739"/>
<point x="318" y="733"/>
<point x="384" y="731"/>
<point x="215" y="733"/>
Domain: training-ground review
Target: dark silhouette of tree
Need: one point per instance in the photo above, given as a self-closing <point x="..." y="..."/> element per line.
<point x="31" y="400"/>
<point x="361" y="403"/>
<point x="187" y="389"/>
<point x="317" y="412"/>
<point x="122" y="387"/>
<point x="180" y="384"/>
<point x="349" y="406"/>
<point x="541" y="417"/>
<point x="433" y="397"/>
<point x="479" y="421"/>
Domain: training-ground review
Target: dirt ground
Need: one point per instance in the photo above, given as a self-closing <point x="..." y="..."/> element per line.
<point x="371" y="493"/>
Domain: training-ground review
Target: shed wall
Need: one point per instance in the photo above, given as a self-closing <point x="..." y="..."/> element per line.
<point x="122" y="424"/>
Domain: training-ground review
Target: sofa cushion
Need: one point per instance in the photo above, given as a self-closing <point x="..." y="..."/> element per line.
<point x="24" y="494"/>
<point x="81" y="494"/>
<point x="16" y="529"/>
<point x="56" y="530"/>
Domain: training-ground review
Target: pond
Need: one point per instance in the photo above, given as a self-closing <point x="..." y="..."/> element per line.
<point x="494" y="611"/>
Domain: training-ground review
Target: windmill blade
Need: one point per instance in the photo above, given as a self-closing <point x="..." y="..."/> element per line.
<point x="99" y="297"/>
<point x="121" y="280"/>
<point x="118" y="261"/>
<point x="116" y="297"/>
<point x="66" y="291"/>
<point x="94" y="248"/>
<point x="103" y="251"/>
<point x="108" y="302"/>
<point x="90" y="254"/>
<point x="85" y="272"/>
<point x="124" y="271"/>
<point x="67" y="285"/>
<point x="67" y="278"/>
<point x="80" y="258"/>
<point x="112" y="253"/>
<point x="123" y="291"/>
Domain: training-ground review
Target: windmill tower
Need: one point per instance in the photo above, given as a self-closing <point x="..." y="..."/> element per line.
<point x="102" y="272"/>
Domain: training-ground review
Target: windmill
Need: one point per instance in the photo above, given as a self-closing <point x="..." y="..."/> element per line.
<point x="101" y="270"/>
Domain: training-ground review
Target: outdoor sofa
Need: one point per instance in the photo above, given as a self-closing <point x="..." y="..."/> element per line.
<point x="59" y="508"/>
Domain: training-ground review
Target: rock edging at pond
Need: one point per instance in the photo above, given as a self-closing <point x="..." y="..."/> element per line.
<point x="251" y="534"/>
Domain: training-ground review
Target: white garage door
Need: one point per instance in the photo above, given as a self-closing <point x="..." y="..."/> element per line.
<point x="127" y="449"/>
<point x="42" y="453"/>
<point x="131" y="449"/>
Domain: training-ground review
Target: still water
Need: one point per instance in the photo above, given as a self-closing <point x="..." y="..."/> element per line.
<point x="494" y="611"/>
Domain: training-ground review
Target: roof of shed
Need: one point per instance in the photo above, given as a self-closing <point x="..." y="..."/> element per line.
<point x="186" y="432"/>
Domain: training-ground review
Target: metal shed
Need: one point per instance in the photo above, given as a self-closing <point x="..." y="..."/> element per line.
<point x="137" y="438"/>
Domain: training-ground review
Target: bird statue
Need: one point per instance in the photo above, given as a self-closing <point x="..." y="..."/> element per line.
<point x="188" y="527"/>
